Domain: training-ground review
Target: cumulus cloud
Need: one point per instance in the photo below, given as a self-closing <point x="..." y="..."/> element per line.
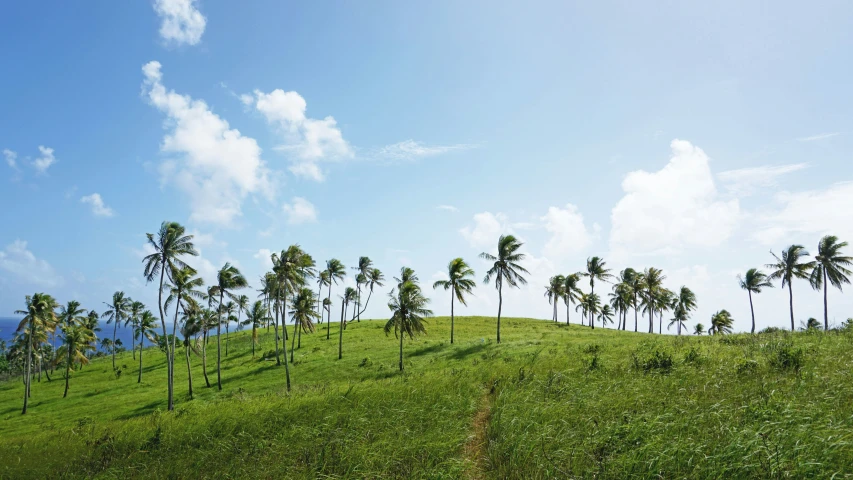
<point x="23" y="264"/>
<point x="182" y="22"/>
<point x="11" y="158"/>
<point x="805" y="216"/>
<point x="264" y="255"/>
<point x="675" y="207"/>
<point x="569" y="234"/>
<point x="215" y="165"/>
<point x="307" y="141"/>
<point x="744" y="181"/>
<point x="45" y="160"/>
<point x="300" y="210"/>
<point x="412" y="150"/>
<point x="487" y="228"/>
<point x="98" y="207"/>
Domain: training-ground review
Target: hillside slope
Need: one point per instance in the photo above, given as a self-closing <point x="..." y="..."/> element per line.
<point x="550" y="401"/>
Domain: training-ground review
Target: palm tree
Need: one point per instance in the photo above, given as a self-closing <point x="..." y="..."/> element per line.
<point x="605" y="315"/>
<point x="698" y="329"/>
<point x="571" y="291"/>
<point x="374" y="279"/>
<point x="554" y="291"/>
<point x="350" y="295"/>
<point x="91" y="322"/>
<point x="337" y="272"/>
<point x="70" y="314"/>
<point x="408" y="312"/>
<point x="721" y="323"/>
<point x="208" y="321"/>
<point x="145" y="327"/>
<point x="184" y="285"/>
<point x="291" y="268"/>
<point x="255" y="317"/>
<point x="652" y="283"/>
<point x="811" y="324"/>
<point x="322" y="281"/>
<point x="228" y="309"/>
<point x="135" y="310"/>
<point x="830" y="268"/>
<point x="170" y="244"/>
<point x="753" y="282"/>
<point x="620" y="300"/>
<point x="595" y="269"/>
<point x="191" y="327"/>
<point x="789" y="267"/>
<point x="38" y="315"/>
<point x="664" y="303"/>
<point x="506" y="268"/>
<point x="227" y="279"/>
<point x="303" y="314"/>
<point x="460" y="282"/>
<point x="75" y="339"/>
<point x="635" y="281"/>
<point x="590" y="305"/>
<point x="242" y="305"/>
<point x="682" y="304"/>
<point x="365" y="264"/>
<point x="117" y="311"/>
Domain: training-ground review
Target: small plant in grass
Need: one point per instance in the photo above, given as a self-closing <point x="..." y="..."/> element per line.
<point x="593" y="362"/>
<point x="365" y="362"/>
<point x="656" y="360"/>
<point x="788" y="358"/>
<point x="746" y="366"/>
<point x="694" y="357"/>
<point x="592" y="348"/>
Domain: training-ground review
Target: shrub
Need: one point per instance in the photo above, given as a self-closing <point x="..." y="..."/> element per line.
<point x="656" y="360"/>
<point x="771" y="330"/>
<point x="592" y="348"/>
<point x="693" y="356"/>
<point x="786" y="358"/>
<point x="593" y="362"/>
<point x="365" y="362"/>
<point x="746" y="367"/>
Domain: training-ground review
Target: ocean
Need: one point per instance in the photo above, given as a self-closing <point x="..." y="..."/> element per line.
<point x="8" y="325"/>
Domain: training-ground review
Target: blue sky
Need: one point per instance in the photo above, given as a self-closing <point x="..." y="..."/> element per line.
<point x="694" y="138"/>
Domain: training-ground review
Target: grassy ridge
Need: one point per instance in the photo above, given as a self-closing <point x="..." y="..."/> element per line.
<point x="561" y="402"/>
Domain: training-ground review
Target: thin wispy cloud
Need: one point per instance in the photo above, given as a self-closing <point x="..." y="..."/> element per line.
<point x="744" y="181"/>
<point x="447" y="208"/>
<point x="820" y="136"/>
<point x="409" y="150"/>
<point x="99" y="208"/>
<point x="43" y="162"/>
<point x="11" y="158"/>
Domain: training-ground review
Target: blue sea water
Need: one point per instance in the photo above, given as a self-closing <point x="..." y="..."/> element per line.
<point x="8" y="326"/>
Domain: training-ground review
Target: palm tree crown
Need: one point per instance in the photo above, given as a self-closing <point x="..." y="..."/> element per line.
<point x="505" y="269"/>
<point x="460" y="281"/>
<point x="789" y="267"/>
<point x="830" y="268"/>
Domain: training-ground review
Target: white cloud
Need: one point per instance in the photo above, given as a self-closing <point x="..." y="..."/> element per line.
<point x="10" y="158"/>
<point x="216" y="166"/>
<point x="97" y="204"/>
<point x="449" y="208"/>
<point x="19" y="261"/>
<point x="820" y="136"/>
<point x="307" y="140"/>
<point x="300" y="210"/>
<point x="411" y="150"/>
<point x="675" y="207"/>
<point x="805" y="216"/>
<point x="488" y="227"/>
<point x="744" y="181"/>
<point x="181" y="21"/>
<point x="569" y="235"/>
<point x="264" y="255"/>
<point x="46" y="159"/>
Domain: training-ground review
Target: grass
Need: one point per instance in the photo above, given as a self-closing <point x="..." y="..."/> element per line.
<point x="550" y="401"/>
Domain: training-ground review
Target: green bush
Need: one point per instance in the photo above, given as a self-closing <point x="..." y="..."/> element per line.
<point x="656" y="360"/>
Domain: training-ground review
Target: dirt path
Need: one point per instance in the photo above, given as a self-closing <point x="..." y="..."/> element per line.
<point x="476" y="448"/>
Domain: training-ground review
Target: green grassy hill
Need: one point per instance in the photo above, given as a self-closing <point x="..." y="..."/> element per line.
<point x="550" y="401"/>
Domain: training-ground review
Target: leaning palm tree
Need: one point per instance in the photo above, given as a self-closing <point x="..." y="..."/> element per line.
<point x="190" y="328"/>
<point x="721" y="323"/>
<point x="698" y="329"/>
<point x="303" y="315"/>
<point x="620" y="300"/>
<point x="635" y="281"/>
<point x="375" y="278"/>
<point x="337" y="272"/>
<point x="117" y="311"/>
<point x="789" y="267"/>
<point x="590" y="305"/>
<point x="322" y="281"/>
<point x="255" y="317"/>
<point x="460" y="282"/>
<point x="830" y="269"/>
<point x="571" y="291"/>
<point x="506" y="268"/>
<point x="228" y="279"/>
<point x="70" y="314"/>
<point x="134" y="311"/>
<point x="170" y="244"/>
<point x="683" y="303"/>
<point x="596" y="270"/>
<point x="145" y="328"/>
<point x="408" y="313"/>
<point x="184" y="287"/>
<point x="753" y="282"/>
<point x="652" y="283"/>
<point x="350" y="296"/>
<point x="242" y="302"/>
<point x="228" y="310"/>
<point x="365" y="264"/>
<point x="605" y="315"/>
<point x="75" y="339"/>
<point x="554" y="291"/>
<point x="38" y="314"/>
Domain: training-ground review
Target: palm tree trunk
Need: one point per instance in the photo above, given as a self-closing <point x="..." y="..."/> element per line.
<point x="500" y="305"/>
<point x="660" y="323"/>
<point x="219" y="341"/>
<point x="29" y="364"/>
<point x="172" y="349"/>
<point x="401" y="339"/>
<point x="341" y="332"/>
<point x="825" y="309"/>
<point x="67" y="372"/>
<point x="204" y="357"/>
<point x="169" y="402"/>
<point x="329" y="317"/>
<point x="286" y="366"/>
<point x="254" y="337"/>
<point x="319" y="299"/>
<point x="139" y="378"/>
<point x="566" y="301"/>
<point x="356" y="313"/>
<point x="115" y="327"/>
<point x="651" y="320"/>
<point x="591" y="317"/>
<point x="189" y="371"/>
<point x="227" y="334"/>
<point x="751" y="311"/>
<point x="636" y="312"/>
<point x="299" y="339"/>
<point x="451" y="314"/>
<point x="277" y="358"/>
<point x="791" y="304"/>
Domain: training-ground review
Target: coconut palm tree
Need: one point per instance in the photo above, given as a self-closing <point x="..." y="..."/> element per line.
<point x="170" y="244"/>
<point x="69" y="314"/>
<point x="75" y="339"/>
<point x="255" y="316"/>
<point x="145" y="328"/>
<point x="365" y="264"/>
<point x="91" y="322"/>
<point x="375" y="278"/>
<point x="605" y="315"/>
<point x="184" y="286"/>
<point x="209" y="320"/>
<point x="554" y="291"/>
<point x="460" y="281"/>
<point x="322" y="281"/>
<point x="505" y="269"/>
<point x="303" y="315"/>
<point x="652" y="283"/>
<point x="682" y="305"/>
<point x="810" y="324"/>
<point x="596" y="270"/>
<point x="242" y="302"/>
<point x="753" y="282"/>
<point x="664" y="303"/>
<point x="698" y="329"/>
<point x="721" y="323"/>
<point x="190" y="328"/>
<point x="134" y="311"/>
<point x="228" y="310"/>
<point x="789" y="267"/>
<point x="571" y="291"/>
<point x="117" y="311"/>
<point x="38" y="315"/>
<point x="830" y="269"/>
<point x="337" y="272"/>
<point x="620" y="300"/>
<point x="228" y="279"/>
<point x="635" y="281"/>
<point x="408" y="312"/>
<point x="350" y="296"/>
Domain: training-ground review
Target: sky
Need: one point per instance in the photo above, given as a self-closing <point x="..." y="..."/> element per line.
<point x="695" y="138"/>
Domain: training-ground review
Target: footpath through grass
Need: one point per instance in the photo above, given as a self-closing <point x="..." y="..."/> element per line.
<point x="562" y="402"/>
